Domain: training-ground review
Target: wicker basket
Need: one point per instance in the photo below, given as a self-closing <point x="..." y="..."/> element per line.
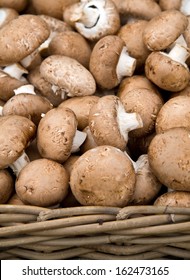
<point x="103" y="233"/>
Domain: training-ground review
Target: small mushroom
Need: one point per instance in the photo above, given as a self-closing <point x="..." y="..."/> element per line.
<point x="71" y="44"/>
<point x="103" y="176"/>
<point x="20" y="37"/>
<point x="164" y="29"/>
<point x="132" y="35"/>
<point x="147" y="186"/>
<point x="6" y="186"/>
<point x="174" y="113"/>
<point x="67" y="76"/>
<point x="42" y="182"/>
<point x="174" y="199"/>
<point x="57" y="134"/>
<point x="18" y="5"/>
<point x="110" y="123"/>
<point x="93" y="19"/>
<point x="81" y="106"/>
<point x="168" y="70"/>
<point x="6" y="15"/>
<point x="110" y="62"/>
<point x="169" y="156"/>
<point x="27" y="105"/>
<point x="145" y="102"/>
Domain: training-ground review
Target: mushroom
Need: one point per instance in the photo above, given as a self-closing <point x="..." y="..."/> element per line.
<point x="89" y="142"/>
<point x="20" y="37"/>
<point x="71" y="44"/>
<point x="52" y="8"/>
<point x="145" y="102"/>
<point x="44" y="88"/>
<point x="110" y="62"/>
<point x="103" y="176"/>
<point x="42" y="182"/>
<point x="174" y="113"/>
<point x="144" y="9"/>
<point x="181" y="5"/>
<point x="16" y="132"/>
<point x="147" y="186"/>
<point x="6" y="15"/>
<point x="67" y="76"/>
<point x="18" y="5"/>
<point x="162" y="30"/>
<point x="81" y="106"/>
<point x="15" y="200"/>
<point x="132" y="35"/>
<point x="174" y="199"/>
<point x="6" y="186"/>
<point x="57" y="134"/>
<point x="93" y="19"/>
<point x="110" y="124"/>
<point x="168" y="70"/>
<point x="27" y="105"/>
<point x="169" y="156"/>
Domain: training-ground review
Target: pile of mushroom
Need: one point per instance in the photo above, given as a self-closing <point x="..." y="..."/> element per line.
<point x="95" y="102"/>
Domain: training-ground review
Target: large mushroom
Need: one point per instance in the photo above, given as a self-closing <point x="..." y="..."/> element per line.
<point x="103" y="176"/>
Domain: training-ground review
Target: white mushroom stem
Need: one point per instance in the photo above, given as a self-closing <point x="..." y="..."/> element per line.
<point x="20" y="163"/>
<point x="58" y="91"/>
<point x="90" y="14"/>
<point x="27" y="61"/>
<point x="3" y="15"/>
<point x="140" y="163"/>
<point x="45" y="44"/>
<point x="178" y="53"/>
<point x="127" y="121"/>
<point x="126" y="65"/>
<point x="1" y="110"/>
<point x="180" y="40"/>
<point x="78" y="140"/>
<point x="29" y="89"/>
<point x="15" y="71"/>
<point x="185" y="7"/>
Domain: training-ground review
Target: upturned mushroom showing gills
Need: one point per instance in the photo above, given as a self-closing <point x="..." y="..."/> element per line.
<point x="42" y="182"/>
<point x="93" y="19"/>
<point x="16" y="132"/>
<point x="103" y="176"/>
<point x="169" y="156"/>
<point x="57" y="134"/>
<point x="110" y="124"/>
<point x="20" y="37"/>
<point x="67" y="76"/>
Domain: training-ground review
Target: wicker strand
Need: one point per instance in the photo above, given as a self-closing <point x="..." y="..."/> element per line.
<point x="17" y="218"/>
<point x="176" y="252"/>
<point x="159" y="239"/>
<point x="25" y="209"/>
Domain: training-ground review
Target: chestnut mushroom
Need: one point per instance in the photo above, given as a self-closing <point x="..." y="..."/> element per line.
<point x="42" y="182"/>
<point x="16" y="132"/>
<point x="81" y="106"/>
<point x="110" y="124"/>
<point x="110" y="62"/>
<point x="169" y="156"/>
<point x="57" y="134"/>
<point x="6" y="15"/>
<point x="174" y="199"/>
<point x="93" y="19"/>
<point x="67" y="76"/>
<point x="181" y="5"/>
<point x="174" y="113"/>
<point x="6" y="186"/>
<point x="103" y="176"/>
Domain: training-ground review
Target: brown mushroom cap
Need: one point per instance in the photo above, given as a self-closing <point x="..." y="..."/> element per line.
<point x="15" y="200"/>
<point x="145" y="9"/>
<point x="18" y="5"/>
<point x="22" y="36"/>
<point x="169" y="156"/>
<point x="147" y="185"/>
<point x="103" y="176"/>
<point x="15" y="134"/>
<point x="103" y="61"/>
<point x="68" y="74"/>
<point x="164" y="29"/>
<point x="174" y="113"/>
<point x="6" y="186"/>
<point x="81" y="106"/>
<point x="55" y="134"/>
<point x="27" y="105"/>
<point x="147" y="103"/>
<point x="174" y="198"/>
<point x="6" y="15"/>
<point x="71" y="44"/>
<point x="166" y="73"/>
<point x="55" y="25"/>
<point x="42" y="182"/>
<point x="132" y="35"/>
<point x="170" y="4"/>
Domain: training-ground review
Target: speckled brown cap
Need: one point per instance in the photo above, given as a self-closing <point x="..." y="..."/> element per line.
<point x="174" y="198"/>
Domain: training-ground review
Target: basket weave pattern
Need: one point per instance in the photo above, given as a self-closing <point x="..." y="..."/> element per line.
<point x="133" y="232"/>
